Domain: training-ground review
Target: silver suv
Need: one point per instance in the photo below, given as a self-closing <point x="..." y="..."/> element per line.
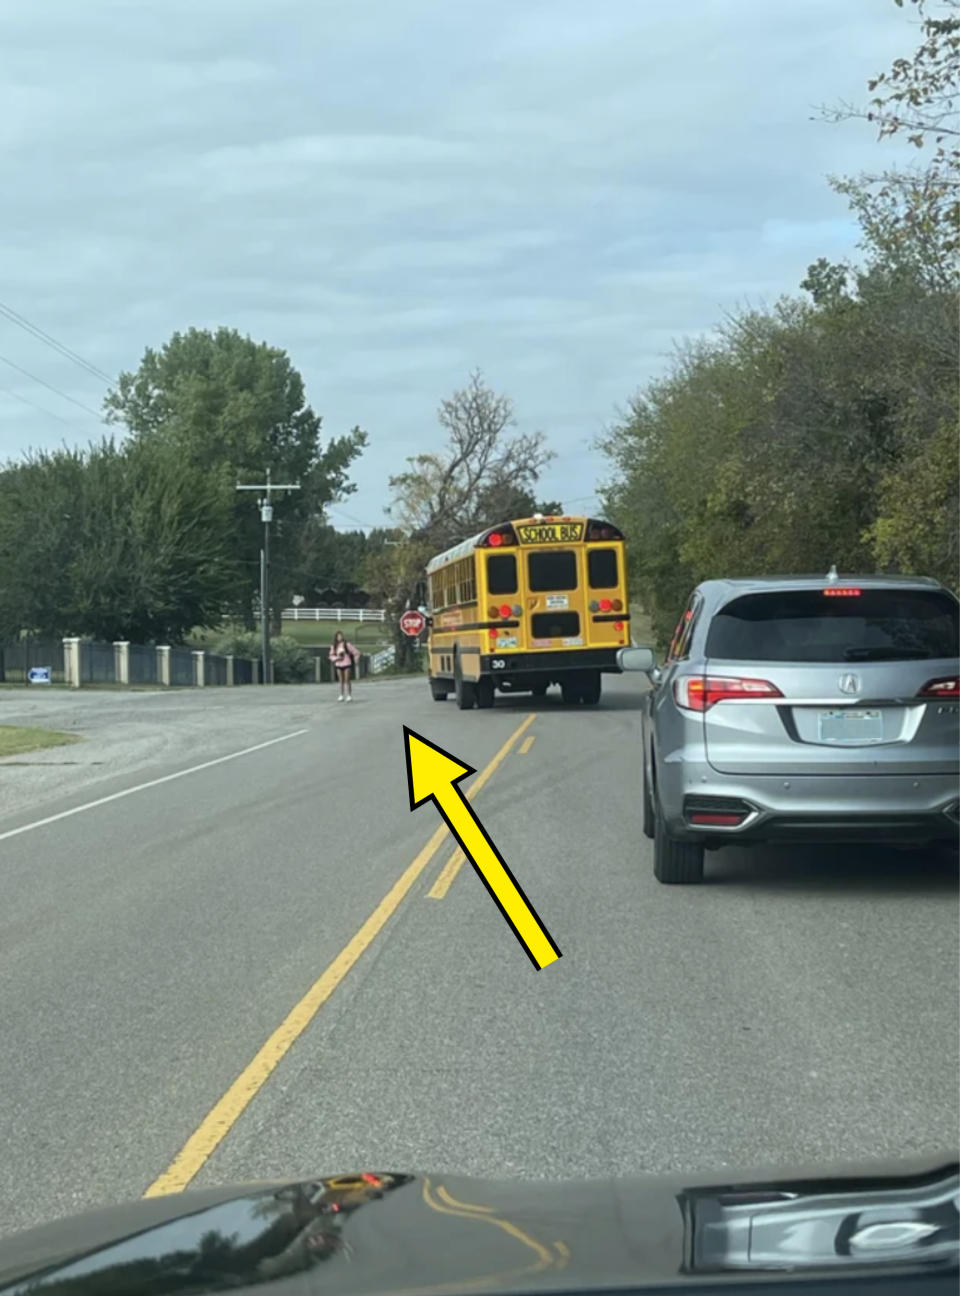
<point x="815" y="709"/>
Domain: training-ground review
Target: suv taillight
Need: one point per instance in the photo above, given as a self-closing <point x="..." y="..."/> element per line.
<point x="701" y="692"/>
<point x="942" y="688"/>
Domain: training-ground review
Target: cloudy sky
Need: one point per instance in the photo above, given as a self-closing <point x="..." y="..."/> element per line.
<point x="398" y="191"/>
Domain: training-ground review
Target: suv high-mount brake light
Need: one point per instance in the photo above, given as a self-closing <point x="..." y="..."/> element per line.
<point x="842" y="591"/>
<point x="701" y="692"/>
<point x="948" y="687"/>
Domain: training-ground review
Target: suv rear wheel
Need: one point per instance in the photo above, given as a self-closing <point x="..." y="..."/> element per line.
<point x="647" y="815"/>
<point x="675" y="862"/>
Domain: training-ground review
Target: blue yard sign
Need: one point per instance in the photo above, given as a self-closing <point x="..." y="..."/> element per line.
<point x="39" y="675"/>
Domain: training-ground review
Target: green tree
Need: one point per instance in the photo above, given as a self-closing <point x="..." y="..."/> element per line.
<point x="38" y="542"/>
<point x="822" y="430"/>
<point x="329" y="559"/>
<point x="917" y="99"/>
<point x="231" y="407"/>
<point x="113" y="542"/>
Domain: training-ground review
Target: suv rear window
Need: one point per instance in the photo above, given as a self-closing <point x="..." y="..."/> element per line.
<point x="809" y="626"/>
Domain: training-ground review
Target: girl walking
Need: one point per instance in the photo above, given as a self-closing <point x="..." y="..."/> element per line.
<point x="344" y="657"/>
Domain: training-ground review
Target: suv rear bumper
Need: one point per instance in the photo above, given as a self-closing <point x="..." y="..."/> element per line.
<point x="814" y="808"/>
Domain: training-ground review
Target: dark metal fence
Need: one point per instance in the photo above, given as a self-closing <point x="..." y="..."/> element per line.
<point x="97" y="663"/>
<point x="18" y="659"/>
<point x="143" y="664"/>
<point x="181" y="667"/>
<point x="242" y="670"/>
<point x="215" y="669"/>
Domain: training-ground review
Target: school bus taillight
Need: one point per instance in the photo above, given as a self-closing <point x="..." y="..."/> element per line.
<point x="605" y="605"/>
<point x="504" y="610"/>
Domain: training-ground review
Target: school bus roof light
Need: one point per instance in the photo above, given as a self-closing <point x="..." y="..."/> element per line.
<point x="602" y="531"/>
<point x="498" y="537"/>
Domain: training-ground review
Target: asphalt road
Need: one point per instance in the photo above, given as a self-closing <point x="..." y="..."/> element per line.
<point x="799" y="1006"/>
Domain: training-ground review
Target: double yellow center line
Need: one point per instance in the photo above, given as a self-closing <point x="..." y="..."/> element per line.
<point x="448" y="873"/>
<point x="218" y="1122"/>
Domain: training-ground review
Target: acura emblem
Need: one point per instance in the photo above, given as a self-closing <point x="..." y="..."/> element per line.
<point x="850" y="683"/>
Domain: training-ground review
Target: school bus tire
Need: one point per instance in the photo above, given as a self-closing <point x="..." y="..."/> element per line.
<point x="465" y="691"/>
<point x="485" y="692"/>
<point x="539" y="690"/>
<point x="439" y="690"/>
<point x="591" y="688"/>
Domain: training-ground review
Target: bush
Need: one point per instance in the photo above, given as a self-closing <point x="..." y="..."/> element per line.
<point x="291" y="664"/>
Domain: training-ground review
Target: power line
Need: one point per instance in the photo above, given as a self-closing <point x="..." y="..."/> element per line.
<point x="335" y="508"/>
<point x="42" y="408"/>
<point x="22" y="322"/>
<point x="50" y="387"/>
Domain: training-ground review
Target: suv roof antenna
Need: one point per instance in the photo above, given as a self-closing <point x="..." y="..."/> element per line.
<point x="832" y="574"/>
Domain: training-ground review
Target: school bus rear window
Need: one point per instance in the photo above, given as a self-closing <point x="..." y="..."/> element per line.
<point x="502" y="574"/>
<point x="552" y="571"/>
<point x="602" y="566"/>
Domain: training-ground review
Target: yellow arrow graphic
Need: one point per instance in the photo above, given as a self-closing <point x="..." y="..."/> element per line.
<point x="433" y="773"/>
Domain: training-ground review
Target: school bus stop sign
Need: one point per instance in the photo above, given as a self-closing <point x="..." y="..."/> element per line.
<point x="412" y="623"/>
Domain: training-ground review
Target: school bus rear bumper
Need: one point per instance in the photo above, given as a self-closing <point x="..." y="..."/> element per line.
<point x="506" y="664"/>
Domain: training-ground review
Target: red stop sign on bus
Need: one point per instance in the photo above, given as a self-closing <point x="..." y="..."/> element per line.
<point x="413" y="623"/>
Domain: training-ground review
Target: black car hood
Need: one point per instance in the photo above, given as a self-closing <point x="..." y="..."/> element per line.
<point x="378" y="1233"/>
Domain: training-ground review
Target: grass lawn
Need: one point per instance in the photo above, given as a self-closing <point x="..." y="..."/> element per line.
<point x="15" y="739"/>
<point x="367" y="635"/>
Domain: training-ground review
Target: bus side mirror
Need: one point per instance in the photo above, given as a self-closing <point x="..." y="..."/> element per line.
<point x="637" y="659"/>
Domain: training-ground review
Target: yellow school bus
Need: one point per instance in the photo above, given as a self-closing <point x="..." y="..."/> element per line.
<point x="527" y="604"/>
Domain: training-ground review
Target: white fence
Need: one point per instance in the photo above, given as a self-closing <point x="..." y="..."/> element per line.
<point x="334" y="614"/>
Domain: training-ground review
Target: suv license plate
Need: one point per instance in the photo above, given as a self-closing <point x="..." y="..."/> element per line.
<point x="853" y="727"/>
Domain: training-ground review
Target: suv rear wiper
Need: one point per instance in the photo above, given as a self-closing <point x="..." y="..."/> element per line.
<point x="883" y="654"/>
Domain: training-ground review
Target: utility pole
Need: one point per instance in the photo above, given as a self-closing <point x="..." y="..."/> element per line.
<point x="266" y="517"/>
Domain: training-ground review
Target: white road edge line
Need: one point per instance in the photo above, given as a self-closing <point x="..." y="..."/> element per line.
<point x="142" y="787"/>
